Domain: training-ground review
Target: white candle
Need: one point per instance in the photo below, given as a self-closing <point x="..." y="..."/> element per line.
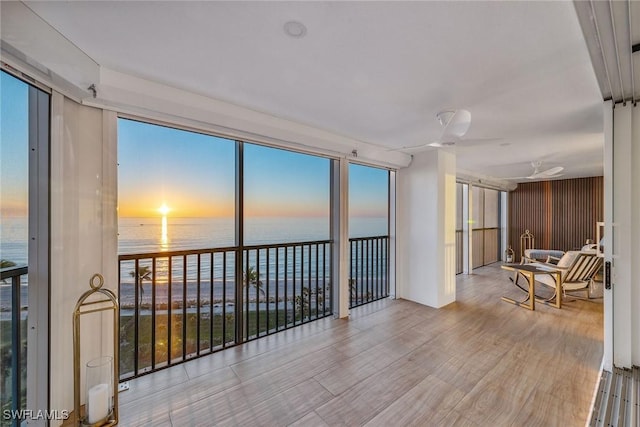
<point x="98" y="403"/>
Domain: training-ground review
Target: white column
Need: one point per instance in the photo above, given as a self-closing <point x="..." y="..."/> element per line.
<point x="340" y="236"/>
<point x="83" y="233"/>
<point x="109" y="193"/>
<point x="426" y="229"/>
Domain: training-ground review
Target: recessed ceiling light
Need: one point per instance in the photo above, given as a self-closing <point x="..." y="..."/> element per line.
<point x="295" y="29"/>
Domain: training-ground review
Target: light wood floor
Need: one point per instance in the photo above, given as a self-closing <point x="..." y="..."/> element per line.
<point x="479" y="361"/>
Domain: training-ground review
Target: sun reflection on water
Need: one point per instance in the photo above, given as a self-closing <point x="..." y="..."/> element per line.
<point x="164" y="239"/>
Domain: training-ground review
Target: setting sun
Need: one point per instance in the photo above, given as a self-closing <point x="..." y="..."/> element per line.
<point x="164" y="209"/>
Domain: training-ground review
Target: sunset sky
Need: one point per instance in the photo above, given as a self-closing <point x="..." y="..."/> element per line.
<point x="193" y="175"/>
<point x="189" y="172"/>
<point x="14" y="154"/>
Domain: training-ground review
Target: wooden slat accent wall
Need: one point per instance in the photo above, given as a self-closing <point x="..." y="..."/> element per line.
<point x="560" y="214"/>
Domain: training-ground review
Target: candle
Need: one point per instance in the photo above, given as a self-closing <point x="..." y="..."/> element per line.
<point x="98" y="403"/>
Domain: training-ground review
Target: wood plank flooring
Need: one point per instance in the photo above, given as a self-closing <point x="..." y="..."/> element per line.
<point x="476" y="362"/>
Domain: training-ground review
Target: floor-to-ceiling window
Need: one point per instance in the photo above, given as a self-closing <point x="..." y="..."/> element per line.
<point x="24" y="246"/>
<point x="220" y="242"/>
<point x="368" y="234"/>
<point x="485" y="225"/>
<point x="14" y="228"/>
<point x="479" y="226"/>
<point x="287" y="248"/>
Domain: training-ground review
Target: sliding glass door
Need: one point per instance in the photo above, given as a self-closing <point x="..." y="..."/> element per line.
<point x="24" y="247"/>
<point x="485" y="225"/>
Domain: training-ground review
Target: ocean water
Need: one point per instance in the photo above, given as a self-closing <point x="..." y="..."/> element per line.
<point x="13" y="239"/>
<point x="148" y="235"/>
<point x="13" y="247"/>
<point x="141" y="235"/>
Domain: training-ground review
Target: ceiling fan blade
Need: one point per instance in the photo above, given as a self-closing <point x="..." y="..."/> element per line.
<point x="442" y="143"/>
<point x="414" y="147"/>
<point x="550" y="172"/>
<point x="541" y="175"/>
<point x="437" y="144"/>
<point x="471" y="143"/>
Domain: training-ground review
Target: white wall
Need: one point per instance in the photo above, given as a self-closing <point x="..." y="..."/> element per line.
<point x="83" y="233"/>
<point x="626" y="236"/>
<point x="426" y="229"/>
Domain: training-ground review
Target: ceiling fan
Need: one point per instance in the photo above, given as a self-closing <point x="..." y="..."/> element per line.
<point x="541" y="175"/>
<point x="455" y="124"/>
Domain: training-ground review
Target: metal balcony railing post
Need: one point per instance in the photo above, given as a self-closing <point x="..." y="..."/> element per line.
<point x="136" y="316"/>
<point x="238" y="307"/>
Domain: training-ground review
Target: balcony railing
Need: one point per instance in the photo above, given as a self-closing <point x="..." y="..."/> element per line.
<point x="175" y="306"/>
<point x="369" y="272"/>
<point x="13" y="344"/>
<point x="179" y="305"/>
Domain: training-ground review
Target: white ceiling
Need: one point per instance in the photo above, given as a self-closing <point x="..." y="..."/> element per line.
<point x="374" y="71"/>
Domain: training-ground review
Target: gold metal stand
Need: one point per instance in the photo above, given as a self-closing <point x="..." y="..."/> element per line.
<point x="83" y="306"/>
<point x="527" y="241"/>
